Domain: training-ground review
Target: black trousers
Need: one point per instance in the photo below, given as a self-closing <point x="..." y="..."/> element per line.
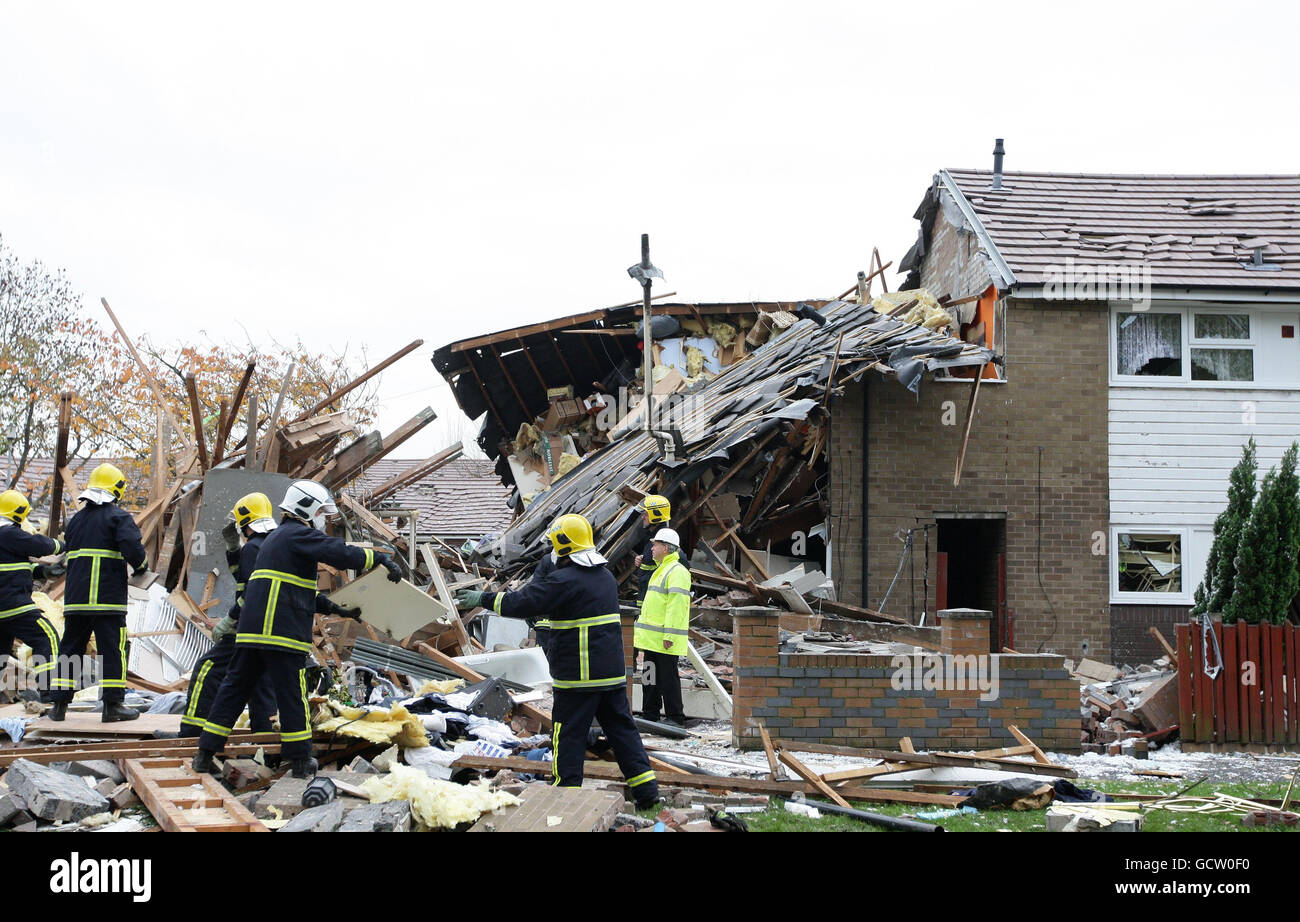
<point x="571" y="716"/>
<point x="287" y="673"/>
<point x="205" y="682"/>
<point x="111" y="645"/>
<point x="666" y="688"/>
<point x="33" y="629"/>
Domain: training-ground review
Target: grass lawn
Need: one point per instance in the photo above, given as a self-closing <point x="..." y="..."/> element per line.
<point x="777" y="819"/>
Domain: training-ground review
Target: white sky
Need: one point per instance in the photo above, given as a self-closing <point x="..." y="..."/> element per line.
<point x="365" y="178"/>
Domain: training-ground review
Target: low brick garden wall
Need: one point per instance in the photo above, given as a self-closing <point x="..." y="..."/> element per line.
<point x="854" y="700"/>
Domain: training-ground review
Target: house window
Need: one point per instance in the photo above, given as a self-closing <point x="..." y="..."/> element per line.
<point x="1149" y="563"/>
<point x="1212" y="358"/>
<point x="1183" y="345"/>
<point x="1149" y="344"/>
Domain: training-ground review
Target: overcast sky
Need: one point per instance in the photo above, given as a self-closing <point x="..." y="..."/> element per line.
<point x="362" y="175"/>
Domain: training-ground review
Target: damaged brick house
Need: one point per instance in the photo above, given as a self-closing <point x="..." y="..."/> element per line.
<point x="1145" y="328"/>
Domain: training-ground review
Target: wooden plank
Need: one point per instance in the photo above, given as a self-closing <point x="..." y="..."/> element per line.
<point x="773" y="768"/>
<point x="1292" y="681"/>
<point x="223" y="433"/>
<point x="250" y="436"/>
<point x="1266" y="678"/>
<point x="810" y="776"/>
<point x="1231" y="684"/>
<point x="1243" y="692"/>
<point x="1183" y="637"/>
<point x="60" y="462"/>
<point x="608" y="771"/>
<point x="417" y="472"/>
<point x="219" y="448"/>
<point x="1276" y="674"/>
<point x="1169" y="651"/>
<point x="1039" y="756"/>
<point x="1204" y="691"/>
<point x="358" y="381"/>
<point x="1220" y="695"/>
<point x="966" y="427"/>
<point x="1253" y="697"/>
<point x="89" y="726"/>
<point x="962" y="760"/>
<point x="196" y="418"/>
<point x="144" y="369"/>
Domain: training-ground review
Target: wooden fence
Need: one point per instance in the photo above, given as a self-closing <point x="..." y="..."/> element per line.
<point x="1253" y="699"/>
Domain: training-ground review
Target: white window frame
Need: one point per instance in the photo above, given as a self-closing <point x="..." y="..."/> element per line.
<point x="1184" y="533"/>
<point x="1187" y="328"/>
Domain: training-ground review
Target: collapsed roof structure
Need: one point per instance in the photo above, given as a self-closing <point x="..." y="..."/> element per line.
<point x="756" y="427"/>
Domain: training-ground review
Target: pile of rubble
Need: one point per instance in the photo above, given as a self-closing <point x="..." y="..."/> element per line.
<point x="1127" y="710"/>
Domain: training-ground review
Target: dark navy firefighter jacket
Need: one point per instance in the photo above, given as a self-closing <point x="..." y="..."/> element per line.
<point x="586" y="646"/>
<point x="280" y="596"/>
<point x="17" y="548"/>
<point x="102" y="541"/>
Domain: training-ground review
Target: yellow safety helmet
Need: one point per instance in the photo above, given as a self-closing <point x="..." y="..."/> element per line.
<point x="254" y="511"/>
<point x="14" y="506"/>
<point x="657" y="508"/>
<point x="571" y="534"/>
<point x="107" y="484"/>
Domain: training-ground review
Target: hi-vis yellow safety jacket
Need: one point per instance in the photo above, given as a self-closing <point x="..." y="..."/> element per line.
<point x="102" y="540"/>
<point x="280" y="598"/>
<point x="586" y="646"/>
<point x="17" y="548"/>
<point x="666" y="611"/>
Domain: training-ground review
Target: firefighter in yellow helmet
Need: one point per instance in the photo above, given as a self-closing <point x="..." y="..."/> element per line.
<point x="19" y="616"/>
<point x="254" y="518"/>
<point x="656" y="512"/>
<point x="103" y="541"/>
<point x="585" y="654"/>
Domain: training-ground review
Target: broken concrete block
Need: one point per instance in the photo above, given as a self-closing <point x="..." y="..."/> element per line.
<point x="240" y="773"/>
<point x="52" y="795"/>
<point x="362" y="767"/>
<point x="1157" y="706"/>
<point x="29" y="826"/>
<point x="325" y="818"/>
<point x="1059" y="820"/>
<point x="11" y="806"/>
<point x="390" y="816"/>
<point x="97" y="768"/>
<point x="106" y="786"/>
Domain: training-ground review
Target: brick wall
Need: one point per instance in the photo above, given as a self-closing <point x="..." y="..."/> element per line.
<point x="1055" y="397"/>
<point x="851" y="699"/>
<point x="953" y="264"/>
<point x="1130" y="631"/>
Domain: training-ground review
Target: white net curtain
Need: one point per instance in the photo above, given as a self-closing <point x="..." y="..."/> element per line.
<point x="1149" y="344"/>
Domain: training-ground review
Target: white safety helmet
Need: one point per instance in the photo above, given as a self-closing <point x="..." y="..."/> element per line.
<point x="309" y="501"/>
<point x="667" y="536"/>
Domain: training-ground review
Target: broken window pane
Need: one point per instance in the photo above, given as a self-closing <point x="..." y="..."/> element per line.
<point x="1149" y="344"/>
<point x="1150" y="563"/>
<point x="1223" y="365"/>
<point x="1222" y="326"/>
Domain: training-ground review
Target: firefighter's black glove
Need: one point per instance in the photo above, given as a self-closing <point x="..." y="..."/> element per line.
<point x="48" y="570"/>
<point x="343" y="611"/>
<point x="389" y="564"/>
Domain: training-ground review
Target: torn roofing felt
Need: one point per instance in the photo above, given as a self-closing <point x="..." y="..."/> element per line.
<point x="721" y="421"/>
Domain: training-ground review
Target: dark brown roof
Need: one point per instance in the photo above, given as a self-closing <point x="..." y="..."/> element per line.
<point x="1192" y="231"/>
<point x="463" y="499"/>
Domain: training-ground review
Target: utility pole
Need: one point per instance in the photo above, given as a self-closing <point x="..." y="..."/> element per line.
<point x="645" y="273"/>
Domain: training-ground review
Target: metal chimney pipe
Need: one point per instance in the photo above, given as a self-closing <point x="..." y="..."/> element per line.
<point x="998" y="152"/>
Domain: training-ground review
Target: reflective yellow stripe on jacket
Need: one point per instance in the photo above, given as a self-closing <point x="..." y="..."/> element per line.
<point x="666" y="612"/>
<point x="277" y="578"/>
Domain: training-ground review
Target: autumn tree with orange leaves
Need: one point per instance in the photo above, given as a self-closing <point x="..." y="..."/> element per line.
<point x="49" y="344"/>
